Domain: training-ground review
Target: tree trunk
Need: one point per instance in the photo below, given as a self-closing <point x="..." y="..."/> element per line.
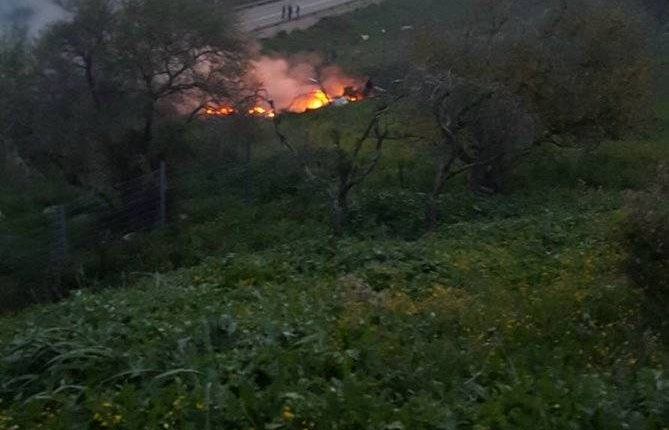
<point x="149" y="114"/>
<point x="92" y="85"/>
<point x="339" y="211"/>
<point x="432" y="210"/>
<point x="487" y="174"/>
<point x="431" y="213"/>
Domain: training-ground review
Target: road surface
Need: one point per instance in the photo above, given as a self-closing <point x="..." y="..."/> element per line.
<point x="268" y="15"/>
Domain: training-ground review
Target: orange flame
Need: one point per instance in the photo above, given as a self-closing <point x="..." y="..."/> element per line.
<point x="297" y="84"/>
<point x="219" y="110"/>
<point x="311" y="101"/>
<point x="314" y="99"/>
<point x="261" y="111"/>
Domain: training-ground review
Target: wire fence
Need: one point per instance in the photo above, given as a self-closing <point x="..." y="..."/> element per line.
<point x="41" y="249"/>
<point x="43" y="246"/>
<point x="97" y="238"/>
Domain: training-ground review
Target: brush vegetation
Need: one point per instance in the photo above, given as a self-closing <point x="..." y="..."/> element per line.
<point x="541" y="306"/>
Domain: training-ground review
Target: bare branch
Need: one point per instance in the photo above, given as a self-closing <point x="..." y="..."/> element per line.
<point x="380" y="136"/>
<point x="283" y="139"/>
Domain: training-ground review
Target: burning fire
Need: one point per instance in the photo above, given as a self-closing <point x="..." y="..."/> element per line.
<point x="219" y="110"/>
<point x="296" y="86"/>
<point x="261" y="111"/>
<point x="311" y="101"/>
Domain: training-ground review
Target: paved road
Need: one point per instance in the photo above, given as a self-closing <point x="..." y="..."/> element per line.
<point x="270" y="14"/>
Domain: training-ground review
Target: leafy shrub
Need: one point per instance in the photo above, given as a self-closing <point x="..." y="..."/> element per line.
<point x="397" y="213"/>
<point x="647" y="232"/>
<point x="646" y="238"/>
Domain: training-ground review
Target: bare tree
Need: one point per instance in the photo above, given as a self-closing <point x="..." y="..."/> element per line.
<point x="482" y="129"/>
<point x="351" y="167"/>
<point x="582" y="66"/>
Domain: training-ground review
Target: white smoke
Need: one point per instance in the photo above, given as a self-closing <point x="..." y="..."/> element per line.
<point x="289" y="81"/>
<point x="31" y="14"/>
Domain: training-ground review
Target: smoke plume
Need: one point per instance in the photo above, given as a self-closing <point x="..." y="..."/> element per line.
<point x="294" y="84"/>
<point x="30" y="14"/>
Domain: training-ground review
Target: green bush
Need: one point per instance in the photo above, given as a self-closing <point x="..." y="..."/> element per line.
<point x="647" y="233"/>
<point x="646" y="238"/>
<point x="396" y="213"/>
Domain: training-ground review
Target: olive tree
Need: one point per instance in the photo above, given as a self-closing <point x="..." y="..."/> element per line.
<point x="350" y="162"/>
<point x="172" y="48"/>
<point x="115" y="67"/>
<point x="582" y="67"/>
<point x="482" y="130"/>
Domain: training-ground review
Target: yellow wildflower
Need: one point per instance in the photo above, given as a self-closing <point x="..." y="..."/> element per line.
<point x="287" y="414"/>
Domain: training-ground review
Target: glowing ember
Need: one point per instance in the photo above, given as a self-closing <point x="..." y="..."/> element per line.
<point x="261" y="111"/>
<point x="355" y="95"/>
<point x="219" y="111"/>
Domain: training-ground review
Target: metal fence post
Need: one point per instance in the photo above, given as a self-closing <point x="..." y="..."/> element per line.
<point x="163" y="194"/>
<point x="59" y="226"/>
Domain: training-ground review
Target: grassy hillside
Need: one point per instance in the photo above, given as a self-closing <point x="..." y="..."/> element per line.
<point x="523" y="322"/>
<point x="515" y="314"/>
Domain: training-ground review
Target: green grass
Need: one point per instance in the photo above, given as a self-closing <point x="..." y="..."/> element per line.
<point x="515" y="314"/>
<point x="517" y="323"/>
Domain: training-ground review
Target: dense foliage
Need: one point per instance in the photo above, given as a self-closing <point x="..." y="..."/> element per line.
<point x="535" y="308"/>
<point x="504" y="324"/>
<point x="645" y="234"/>
<point x="98" y="83"/>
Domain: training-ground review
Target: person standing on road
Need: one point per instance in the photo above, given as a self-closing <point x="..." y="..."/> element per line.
<point x="283" y="12"/>
<point x="297" y="11"/>
<point x="290" y="12"/>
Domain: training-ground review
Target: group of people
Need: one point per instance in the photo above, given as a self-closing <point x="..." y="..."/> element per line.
<point x="289" y="12"/>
